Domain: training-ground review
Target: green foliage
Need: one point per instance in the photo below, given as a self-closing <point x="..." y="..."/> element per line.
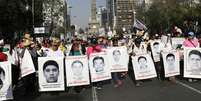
<point x="164" y="14"/>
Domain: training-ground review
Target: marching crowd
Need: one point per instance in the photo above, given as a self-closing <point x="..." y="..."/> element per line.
<point x="54" y="47"/>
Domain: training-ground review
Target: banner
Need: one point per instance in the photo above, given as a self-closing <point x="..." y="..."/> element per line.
<point x="51" y="73"/>
<point x="156" y="48"/>
<point x="5" y="81"/>
<point x="118" y="59"/>
<point x="177" y="42"/>
<point x="77" y="71"/>
<point x="171" y="63"/>
<point x="192" y="62"/>
<point x="27" y="66"/>
<point x="99" y="67"/>
<point x="143" y="67"/>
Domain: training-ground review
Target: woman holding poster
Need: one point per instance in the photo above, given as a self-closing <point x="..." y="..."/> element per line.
<point x="191" y="41"/>
<point x="94" y="47"/>
<point x="77" y="66"/>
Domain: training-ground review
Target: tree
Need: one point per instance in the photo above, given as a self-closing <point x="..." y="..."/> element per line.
<point x="54" y="14"/>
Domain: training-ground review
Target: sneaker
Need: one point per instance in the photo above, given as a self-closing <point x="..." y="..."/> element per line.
<point x="99" y="88"/>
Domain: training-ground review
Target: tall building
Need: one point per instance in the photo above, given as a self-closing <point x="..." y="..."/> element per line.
<point x="120" y="14"/>
<point x="93" y="23"/>
<point x="102" y="17"/>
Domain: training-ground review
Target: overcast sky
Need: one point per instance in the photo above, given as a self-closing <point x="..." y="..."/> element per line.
<point x="80" y="11"/>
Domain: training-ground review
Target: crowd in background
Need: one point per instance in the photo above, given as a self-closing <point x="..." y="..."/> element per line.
<point x="138" y="43"/>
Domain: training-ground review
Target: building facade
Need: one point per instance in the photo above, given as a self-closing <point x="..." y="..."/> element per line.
<point x="93" y="23"/>
<point x="120" y="14"/>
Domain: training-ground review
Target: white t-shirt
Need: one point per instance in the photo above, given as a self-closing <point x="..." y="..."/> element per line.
<point x="57" y="53"/>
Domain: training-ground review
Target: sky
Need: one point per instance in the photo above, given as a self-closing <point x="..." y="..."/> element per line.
<point x="80" y="11"/>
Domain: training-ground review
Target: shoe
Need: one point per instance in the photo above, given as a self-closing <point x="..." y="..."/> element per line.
<point x="190" y="80"/>
<point x="195" y="80"/>
<point x="99" y="88"/>
<point x="137" y="84"/>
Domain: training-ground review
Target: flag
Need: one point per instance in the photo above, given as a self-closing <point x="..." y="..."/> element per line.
<point x="139" y="25"/>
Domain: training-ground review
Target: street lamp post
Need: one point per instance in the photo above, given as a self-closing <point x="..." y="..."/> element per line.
<point x="33" y="15"/>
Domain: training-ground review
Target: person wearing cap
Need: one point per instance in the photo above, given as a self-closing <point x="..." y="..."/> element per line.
<point x="191" y="41"/>
<point x="94" y="48"/>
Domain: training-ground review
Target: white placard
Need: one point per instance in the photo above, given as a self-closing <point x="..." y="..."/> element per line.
<point x="99" y="67"/>
<point x="192" y="62"/>
<point x="51" y="73"/>
<point x="5" y="81"/>
<point x="171" y="63"/>
<point x="176" y="42"/>
<point x="156" y="48"/>
<point x="27" y="67"/>
<point x="39" y="30"/>
<point x="118" y="59"/>
<point x="77" y="71"/>
<point x="143" y="67"/>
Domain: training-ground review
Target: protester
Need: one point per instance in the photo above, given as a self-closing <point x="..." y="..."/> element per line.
<point x="94" y="47"/>
<point x="167" y="48"/>
<point x="191" y="41"/>
<point x="116" y="76"/>
<point x="54" y="51"/>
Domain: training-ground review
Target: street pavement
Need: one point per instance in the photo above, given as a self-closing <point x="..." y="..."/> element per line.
<point x="151" y="90"/>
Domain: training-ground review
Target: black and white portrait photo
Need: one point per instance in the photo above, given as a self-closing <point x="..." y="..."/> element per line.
<point x="5" y="81"/>
<point x="155" y="48"/>
<point x="99" y="67"/>
<point x="143" y="67"/>
<point x="77" y="71"/>
<point x="192" y="61"/>
<point x="51" y="73"/>
<point x="118" y="59"/>
<point x="171" y="63"/>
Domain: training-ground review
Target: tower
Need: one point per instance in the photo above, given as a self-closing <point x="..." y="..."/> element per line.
<point x="93" y="24"/>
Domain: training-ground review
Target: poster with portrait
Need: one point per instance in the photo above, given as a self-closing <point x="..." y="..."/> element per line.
<point x="27" y="67"/>
<point x="164" y="39"/>
<point x="192" y="62"/>
<point x="171" y="63"/>
<point x="5" y="81"/>
<point x="118" y="59"/>
<point x="177" y="42"/>
<point x="155" y="49"/>
<point x="143" y="67"/>
<point x="99" y="67"/>
<point x="51" y="73"/>
<point x="77" y="71"/>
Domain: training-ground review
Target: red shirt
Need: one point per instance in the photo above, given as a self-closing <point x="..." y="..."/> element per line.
<point x="3" y="57"/>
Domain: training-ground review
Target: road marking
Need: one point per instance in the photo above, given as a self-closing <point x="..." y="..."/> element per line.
<point x="94" y="94"/>
<point x="189" y="87"/>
